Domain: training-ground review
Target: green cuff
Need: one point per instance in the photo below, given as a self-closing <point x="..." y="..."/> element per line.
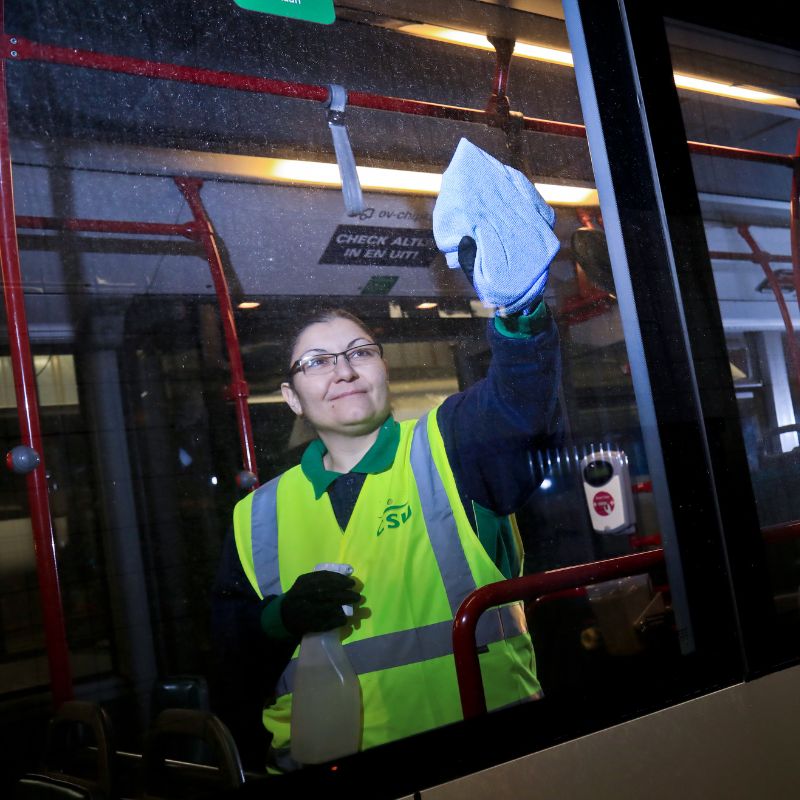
<point x="271" y="621"/>
<point x="523" y="326"/>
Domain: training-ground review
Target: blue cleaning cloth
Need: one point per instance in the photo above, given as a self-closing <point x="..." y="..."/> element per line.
<point x="508" y="219"/>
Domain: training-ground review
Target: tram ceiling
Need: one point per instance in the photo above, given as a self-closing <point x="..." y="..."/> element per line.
<point x="58" y="101"/>
<point x="63" y="102"/>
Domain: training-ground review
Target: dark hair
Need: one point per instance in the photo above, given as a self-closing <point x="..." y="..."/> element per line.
<point x="315" y="317"/>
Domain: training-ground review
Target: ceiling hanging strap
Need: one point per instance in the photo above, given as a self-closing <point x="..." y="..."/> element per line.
<point x="351" y="188"/>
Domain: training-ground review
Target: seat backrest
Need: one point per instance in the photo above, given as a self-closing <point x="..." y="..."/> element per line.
<point x="181" y="691"/>
<point x="164" y="776"/>
<point x="79" y="747"/>
<point x="46" y="787"/>
<point x="184" y="691"/>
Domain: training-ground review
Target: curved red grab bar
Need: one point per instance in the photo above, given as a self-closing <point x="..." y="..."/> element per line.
<point x="468" y="670"/>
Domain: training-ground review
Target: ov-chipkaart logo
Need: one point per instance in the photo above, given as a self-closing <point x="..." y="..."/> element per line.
<point x="603" y="503"/>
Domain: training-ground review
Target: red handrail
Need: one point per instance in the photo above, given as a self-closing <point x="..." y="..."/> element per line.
<point x="186" y="229"/>
<point x="762" y="258"/>
<point x="28" y="415"/>
<point x="784" y="532"/>
<point x="528" y="587"/>
<point x="238" y="391"/>
<point x="201" y="230"/>
<point x="18" y="48"/>
<point x="720" y="255"/>
<point x="551" y="585"/>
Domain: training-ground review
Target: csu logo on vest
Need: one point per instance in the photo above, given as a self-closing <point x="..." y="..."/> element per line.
<point x="394" y="515"/>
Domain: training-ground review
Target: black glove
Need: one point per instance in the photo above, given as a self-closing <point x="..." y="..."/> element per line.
<point x="467" y="250"/>
<point x="314" y="603"/>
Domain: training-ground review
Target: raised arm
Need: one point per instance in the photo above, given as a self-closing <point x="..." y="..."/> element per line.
<point x="491" y="222"/>
<point x="492" y="429"/>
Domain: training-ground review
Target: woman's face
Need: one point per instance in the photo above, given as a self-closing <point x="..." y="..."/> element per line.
<point x="353" y="399"/>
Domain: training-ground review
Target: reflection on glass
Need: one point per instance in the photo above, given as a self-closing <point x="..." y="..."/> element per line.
<point x="142" y="436"/>
<point x="746" y="210"/>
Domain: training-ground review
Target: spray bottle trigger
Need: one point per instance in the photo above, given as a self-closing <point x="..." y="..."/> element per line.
<point x="342" y="569"/>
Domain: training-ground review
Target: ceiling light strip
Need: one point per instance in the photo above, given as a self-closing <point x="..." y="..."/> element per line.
<point x="315" y="173"/>
<point x="553" y="55"/>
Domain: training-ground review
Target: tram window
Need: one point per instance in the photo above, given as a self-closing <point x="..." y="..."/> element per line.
<point x="23" y="665"/>
<point x="149" y="443"/>
<point x="747" y="217"/>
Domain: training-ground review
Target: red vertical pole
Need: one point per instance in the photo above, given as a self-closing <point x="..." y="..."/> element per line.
<point x="238" y="390"/>
<point x="499" y="104"/>
<point x="28" y="412"/>
<point x="763" y="259"/>
<point x="585" y="288"/>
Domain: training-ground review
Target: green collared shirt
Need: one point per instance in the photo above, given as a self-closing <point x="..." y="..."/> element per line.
<point x="377" y="459"/>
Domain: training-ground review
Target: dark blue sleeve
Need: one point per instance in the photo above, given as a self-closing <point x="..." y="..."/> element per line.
<point x="245" y="664"/>
<point x="492" y="429"/>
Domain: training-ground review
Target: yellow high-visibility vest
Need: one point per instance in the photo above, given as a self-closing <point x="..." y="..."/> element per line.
<point x="410" y="542"/>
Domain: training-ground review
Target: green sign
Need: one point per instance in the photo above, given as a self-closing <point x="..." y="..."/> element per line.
<point x="309" y="10"/>
<point x="379" y="284"/>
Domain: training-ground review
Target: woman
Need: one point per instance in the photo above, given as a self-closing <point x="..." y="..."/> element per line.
<point x="335" y="507"/>
<point x="418" y="508"/>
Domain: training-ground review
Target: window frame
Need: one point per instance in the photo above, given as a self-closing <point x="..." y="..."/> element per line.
<point x="660" y="235"/>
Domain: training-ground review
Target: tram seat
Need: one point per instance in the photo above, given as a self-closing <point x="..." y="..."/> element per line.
<point x="45" y="787"/>
<point x="184" y="691"/>
<point x="167" y="778"/>
<point x="79" y="748"/>
<point x="181" y="691"/>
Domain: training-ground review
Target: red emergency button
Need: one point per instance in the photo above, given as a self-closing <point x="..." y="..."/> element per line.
<point x="603" y="503"/>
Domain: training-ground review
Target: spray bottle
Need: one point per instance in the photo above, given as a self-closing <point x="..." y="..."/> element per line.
<point x="326" y="699"/>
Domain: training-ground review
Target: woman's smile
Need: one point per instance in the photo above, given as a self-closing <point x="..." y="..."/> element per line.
<point x="348" y="393"/>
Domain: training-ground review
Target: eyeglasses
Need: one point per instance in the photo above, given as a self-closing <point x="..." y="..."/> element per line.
<point x="323" y="363"/>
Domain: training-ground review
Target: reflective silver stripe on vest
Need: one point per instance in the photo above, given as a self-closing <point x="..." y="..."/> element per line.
<point x="264" y="534"/>
<point x="439" y="520"/>
<point x="443" y="533"/>
<point x="408" y="647"/>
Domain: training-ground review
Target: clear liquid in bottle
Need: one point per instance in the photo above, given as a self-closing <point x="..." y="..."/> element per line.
<point x="326" y="699"/>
